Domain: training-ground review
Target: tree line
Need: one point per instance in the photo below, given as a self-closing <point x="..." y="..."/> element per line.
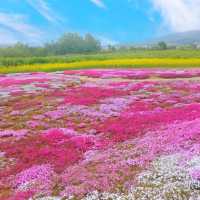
<point x="72" y="43"/>
<point x="66" y="44"/>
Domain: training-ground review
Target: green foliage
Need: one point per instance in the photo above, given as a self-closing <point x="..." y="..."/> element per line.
<point x="74" y="43"/>
<point x="66" y="44"/>
<point x="90" y="44"/>
<point x="117" y="54"/>
<point x="162" y="45"/>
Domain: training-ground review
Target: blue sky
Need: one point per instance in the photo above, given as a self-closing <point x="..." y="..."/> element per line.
<point x="112" y="21"/>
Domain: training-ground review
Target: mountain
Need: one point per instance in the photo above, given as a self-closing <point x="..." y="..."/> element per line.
<point x="182" y="38"/>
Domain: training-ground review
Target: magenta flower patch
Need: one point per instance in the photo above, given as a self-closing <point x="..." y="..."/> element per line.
<point x="100" y="134"/>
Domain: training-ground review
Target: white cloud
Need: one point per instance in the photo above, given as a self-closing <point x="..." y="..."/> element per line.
<point x="179" y="15"/>
<point x="14" y="27"/>
<point x="42" y="7"/>
<point x="106" y="41"/>
<point x="7" y="37"/>
<point x="99" y="3"/>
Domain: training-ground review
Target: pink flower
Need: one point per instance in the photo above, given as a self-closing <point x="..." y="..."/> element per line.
<point x="11" y="133"/>
<point x="38" y="178"/>
<point x="195" y="174"/>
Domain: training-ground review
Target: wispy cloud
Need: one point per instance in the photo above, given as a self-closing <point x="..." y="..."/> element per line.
<point x="7" y="37"/>
<point x="42" y="7"/>
<point x="179" y="15"/>
<point x="15" y="27"/>
<point x="99" y="3"/>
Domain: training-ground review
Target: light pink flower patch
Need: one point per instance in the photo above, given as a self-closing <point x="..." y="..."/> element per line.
<point x="37" y="178"/>
<point x="16" y="112"/>
<point x="11" y="133"/>
<point x="195" y="174"/>
<point x="33" y="124"/>
<point x="57" y="114"/>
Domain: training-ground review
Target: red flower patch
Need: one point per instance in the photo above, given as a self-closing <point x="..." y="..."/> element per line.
<point x="90" y="95"/>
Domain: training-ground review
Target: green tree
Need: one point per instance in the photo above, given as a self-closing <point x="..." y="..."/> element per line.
<point x="91" y="44"/>
<point x="162" y="45"/>
<point x="111" y="48"/>
<point x="67" y="43"/>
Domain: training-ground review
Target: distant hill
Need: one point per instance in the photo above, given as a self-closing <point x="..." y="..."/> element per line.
<point x="183" y="38"/>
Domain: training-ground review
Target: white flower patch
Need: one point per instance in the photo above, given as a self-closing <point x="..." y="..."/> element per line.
<point x="4" y="94"/>
<point x="167" y="179"/>
<point x="47" y="198"/>
<point x="105" y="196"/>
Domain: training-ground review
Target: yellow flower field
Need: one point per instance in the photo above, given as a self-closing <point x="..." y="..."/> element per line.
<point x="111" y="63"/>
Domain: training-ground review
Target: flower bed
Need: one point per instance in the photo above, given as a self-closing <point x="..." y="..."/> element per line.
<point x="100" y="134"/>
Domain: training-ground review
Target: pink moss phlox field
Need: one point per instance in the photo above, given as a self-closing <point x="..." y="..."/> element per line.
<point x="100" y="133"/>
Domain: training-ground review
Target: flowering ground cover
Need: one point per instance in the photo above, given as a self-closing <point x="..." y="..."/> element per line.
<point x="100" y="134"/>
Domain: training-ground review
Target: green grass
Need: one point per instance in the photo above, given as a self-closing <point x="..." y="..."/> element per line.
<point x="100" y="56"/>
<point x="126" y="59"/>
